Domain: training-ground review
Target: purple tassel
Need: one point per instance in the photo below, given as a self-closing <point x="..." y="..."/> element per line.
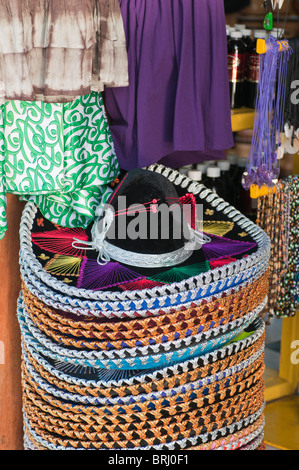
<point x="264" y="166"/>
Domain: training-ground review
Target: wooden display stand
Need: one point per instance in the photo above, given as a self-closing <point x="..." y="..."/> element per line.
<point x="11" y="424"/>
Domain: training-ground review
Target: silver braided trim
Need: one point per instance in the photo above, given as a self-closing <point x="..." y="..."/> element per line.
<point x="138" y="307"/>
<point x="147" y="261"/>
<point x="27" y="444"/>
<point x="253" y="445"/>
<point x="108" y="251"/>
<point x="156" y="374"/>
<point x="258" y="235"/>
<point x="232" y="430"/>
<point x="129" y="399"/>
<point x="133" y="357"/>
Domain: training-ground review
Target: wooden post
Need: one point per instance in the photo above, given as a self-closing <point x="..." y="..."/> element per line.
<point x="11" y="424"/>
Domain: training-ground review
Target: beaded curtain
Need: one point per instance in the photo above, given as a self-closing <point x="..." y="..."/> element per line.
<point x="278" y="216"/>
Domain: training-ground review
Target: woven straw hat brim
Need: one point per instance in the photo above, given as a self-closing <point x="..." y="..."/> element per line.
<point x="183" y="376"/>
<point x="210" y="384"/>
<point x="163" y="433"/>
<point x="208" y="326"/>
<point x="202" y="365"/>
<point x="206" y="410"/>
<point x="256" y="443"/>
<point x="125" y="431"/>
<point x="158" y="317"/>
<point x="146" y="357"/>
<point x="231" y="437"/>
<point x="120" y="335"/>
<point x="149" y="410"/>
<point x="162" y="428"/>
<point x="140" y="307"/>
<point x="236" y="440"/>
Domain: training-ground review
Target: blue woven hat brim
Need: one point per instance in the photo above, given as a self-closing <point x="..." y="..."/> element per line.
<point x="106" y="378"/>
<point x="148" y="357"/>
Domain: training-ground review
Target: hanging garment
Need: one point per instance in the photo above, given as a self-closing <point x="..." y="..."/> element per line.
<point x="266" y="150"/>
<point x="60" y="156"/>
<point x="54" y="51"/>
<point x="232" y="6"/>
<point x="176" y="109"/>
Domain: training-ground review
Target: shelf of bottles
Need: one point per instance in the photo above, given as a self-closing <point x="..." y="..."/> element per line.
<point x="243" y="67"/>
<point x="242" y="119"/>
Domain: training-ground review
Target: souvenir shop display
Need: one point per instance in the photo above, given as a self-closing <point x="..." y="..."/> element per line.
<point x="163" y="353"/>
<point x="146" y="279"/>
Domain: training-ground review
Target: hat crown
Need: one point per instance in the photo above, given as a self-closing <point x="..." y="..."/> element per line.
<point x="148" y="214"/>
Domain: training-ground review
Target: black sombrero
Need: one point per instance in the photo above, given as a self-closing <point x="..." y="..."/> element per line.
<point x="199" y="239"/>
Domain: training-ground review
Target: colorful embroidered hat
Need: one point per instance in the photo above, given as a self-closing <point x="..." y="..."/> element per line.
<point x="62" y="419"/>
<point x="138" y="357"/>
<point x="207" y="403"/>
<point x="144" y="223"/>
<point x="64" y="276"/>
<point x="170" y="359"/>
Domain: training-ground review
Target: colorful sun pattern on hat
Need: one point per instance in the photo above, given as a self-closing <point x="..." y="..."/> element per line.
<point x="53" y="246"/>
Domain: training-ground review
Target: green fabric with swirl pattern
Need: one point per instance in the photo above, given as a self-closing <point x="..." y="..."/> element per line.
<point x="59" y="155"/>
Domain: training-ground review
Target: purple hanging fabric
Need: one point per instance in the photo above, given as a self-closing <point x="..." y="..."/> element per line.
<point x="176" y="109"/>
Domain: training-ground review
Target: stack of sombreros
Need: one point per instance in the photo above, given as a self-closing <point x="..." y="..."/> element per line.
<point x="145" y="330"/>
